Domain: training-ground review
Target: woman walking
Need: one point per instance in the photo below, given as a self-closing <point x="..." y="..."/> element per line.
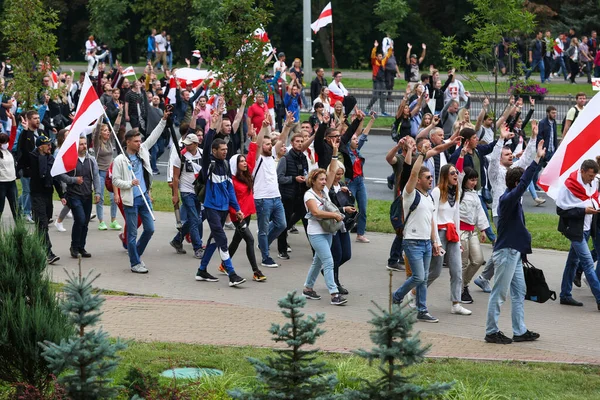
<point x="318" y="181"/>
<point x="103" y="148"/>
<point x="8" y="177"/>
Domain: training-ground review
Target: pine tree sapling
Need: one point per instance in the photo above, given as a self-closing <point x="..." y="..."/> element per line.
<point x="396" y="349"/>
<point x="29" y="309"/>
<point x="84" y="361"/>
<point x="292" y="373"/>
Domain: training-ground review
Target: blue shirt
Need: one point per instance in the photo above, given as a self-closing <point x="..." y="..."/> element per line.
<point x="291" y="104"/>
<point x="138" y="170"/>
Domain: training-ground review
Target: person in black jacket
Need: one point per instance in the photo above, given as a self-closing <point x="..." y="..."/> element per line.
<point x="576" y="205"/>
<point x="25" y="145"/>
<point x="39" y="163"/>
<point x="317" y="84"/>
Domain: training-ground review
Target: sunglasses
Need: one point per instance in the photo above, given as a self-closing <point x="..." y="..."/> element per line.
<point x="453" y="173"/>
<point x="334" y="136"/>
<point x="428" y="177"/>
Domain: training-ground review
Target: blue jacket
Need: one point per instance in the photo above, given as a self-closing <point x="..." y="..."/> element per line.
<point x="220" y="194"/>
<point x="181" y="106"/>
<point x="482" y="150"/>
<point x="291" y="104"/>
<point x="362" y="139"/>
<point x="512" y="233"/>
<point x="151" y="43"/>
<point x="546" y="132"/>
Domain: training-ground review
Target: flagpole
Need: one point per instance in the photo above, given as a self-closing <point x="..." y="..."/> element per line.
<point x="332" y="56"/>
<point x="129" y="165"/>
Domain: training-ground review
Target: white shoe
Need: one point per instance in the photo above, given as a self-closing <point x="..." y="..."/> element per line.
<point x="29" y="220"/>
<point x="539" y="201"/>
<point x="410" y="299"/>
<point x="460" y="310"/>
<point x="59" y="226"/>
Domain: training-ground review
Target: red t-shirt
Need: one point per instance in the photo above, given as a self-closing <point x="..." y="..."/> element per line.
<point x="357" y="166"/>
<point x="245" y="199"/>
<point x="256" y="113"/>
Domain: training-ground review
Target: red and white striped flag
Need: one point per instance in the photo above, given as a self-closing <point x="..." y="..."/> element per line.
<point x="582" y="142"/>
<point x="324" y="19"/>
<point x="89" y="109"/>
<point x="54" y="77"/>
<point x="129" y="71"/>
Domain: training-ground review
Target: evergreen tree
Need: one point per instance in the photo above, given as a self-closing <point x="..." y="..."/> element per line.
<point x="293" y="373"/>
<point x="396" y="350"/>
<point x="84" y="361"/>
<point x="29" y="309"/>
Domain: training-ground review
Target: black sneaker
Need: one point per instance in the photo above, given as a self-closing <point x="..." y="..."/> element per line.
<point x="342" y="290"/>
<point x="235" y="279"/>
<point x="178" y="246"/>
<point x="465" y="297"/>
<point x="293" y="231"/>
<point x="424" y="316"/>
<point x="577" y="279"/>
<point x="569" y="301"/>
<point x="84" y="253"/>
<point x="202" y="275"/>
<point x="284" y="256"/>
<point x="52" y="258"/>
<point x="338" y="300"/>
<point x="526" y="337"/>
<point x="74" y="252"/>
<point x="498" y="338"/>
<point x="269" y="263"/>
<point x="311" y="294"/>
<point x="396" y="267"/>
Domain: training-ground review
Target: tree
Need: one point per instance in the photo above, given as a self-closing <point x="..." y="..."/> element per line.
<point x="581" y="15"/>
<point x="292" y="373"/>
<point x="107" y="21"/>
<point x="29" y="308"/>
<point x="396" y="350"/>
<point x="28" y="27"/>
<point x="392" y="13"/>
<point x="84" y="361"/>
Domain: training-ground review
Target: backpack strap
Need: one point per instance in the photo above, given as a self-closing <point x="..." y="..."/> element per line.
<point x="413" y="206"/>
<point x="257" y="168"/>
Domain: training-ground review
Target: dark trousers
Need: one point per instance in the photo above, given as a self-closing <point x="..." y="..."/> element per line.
<point x="41" y="208"/>
<point x="390" y="76"/>
<point x="8" y="191"/>
<point x="217" y="239"/>
<point x="81" y="207"/>
<point x="396" y="250"/>
<point x="573" y="69"/>
<point x="378" y="94"/>
<point x="341" y="251"/>
<point x="246" y="235"/>
<point x="549" y="64"/>
<point x="294" y="212"/>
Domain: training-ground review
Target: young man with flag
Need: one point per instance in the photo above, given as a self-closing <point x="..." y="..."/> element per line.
<point x="576" y="205"/>
<point x="79" y="196"/>
<point x="132" y="174"/>
<point x="513" y="242"/>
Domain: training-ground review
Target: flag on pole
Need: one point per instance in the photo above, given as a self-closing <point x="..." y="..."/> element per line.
<point x="89" y="109"/>
<point x="582" y="142"/>
<point x="324" y="19"/>
<point x="54" y="77"/>
<point x="129" y="71"/>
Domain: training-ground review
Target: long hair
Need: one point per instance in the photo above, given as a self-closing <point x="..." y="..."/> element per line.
<point x="470" y="173"/>
<point x="423" y="120"/>
<point x="244" y="176"/>
<point x="445" y="182"/>
<point x="3" y="139"/>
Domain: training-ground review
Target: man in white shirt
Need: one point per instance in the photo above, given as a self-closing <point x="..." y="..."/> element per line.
<point x="336" y="87"/>
<point x="279" y="65"/>
<point x="161" y="51"/>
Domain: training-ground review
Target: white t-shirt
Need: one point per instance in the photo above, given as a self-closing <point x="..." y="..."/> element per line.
<point x="160" y="43"/>
<point x="418" y="226"/>
<point x="488" y="134"/>
<point x="314" y="228"/>
<point x="265" y="180"/>
<point x="280" y="65"/>
<point x="189" y="170"/>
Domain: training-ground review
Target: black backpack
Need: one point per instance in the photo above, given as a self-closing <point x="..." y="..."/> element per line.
<point x="562" y="131"/>
<point x="397" y="212"/>
<point x="200" y="182"/>
<point x="537" y="288"/>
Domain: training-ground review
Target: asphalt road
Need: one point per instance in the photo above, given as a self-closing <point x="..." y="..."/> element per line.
<point x="377" y="169"/>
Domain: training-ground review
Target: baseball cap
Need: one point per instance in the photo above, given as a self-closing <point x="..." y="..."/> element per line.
<point x="191" y="138"/>
<point x="281" y="54"/>
<point x="41" y="140"/>
<point x="413" y="56"/>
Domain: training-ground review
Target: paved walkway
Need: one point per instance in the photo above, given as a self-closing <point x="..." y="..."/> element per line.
<point x="213" y="313"/>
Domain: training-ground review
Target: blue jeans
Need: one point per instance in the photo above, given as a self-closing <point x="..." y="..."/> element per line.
<point x="193" y="220"/>
<point x="271" y="222"/>
<point x="170" y="59"/>
<point x="25" y="198"/>
<point x="321" y="260"/>
<point x="396" y="250"/>
<point x="359" y="190"/>
<point x="99" y="206"/>
<point x="489" y="231"/>
<point x="81" y="207"/>
<point x="532" y="191"/>
<point x="136" y="248"/>
<point x="580" y="256"/>
<point x="597" y="71"/>
<point x="155" y="152"/>
<point x="418" y="253"/>
<point x="540" y="64"/>
<point x="149" y="55"/>
<point x="508" y="275"/>
<point x="563" y="67"/>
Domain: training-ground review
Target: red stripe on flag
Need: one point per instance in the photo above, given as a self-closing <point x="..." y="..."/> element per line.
<point x="588" y="137"/>
<point x="69" y="159"/>
<point x="90" y="97"/>
<point x="325" y="13"/>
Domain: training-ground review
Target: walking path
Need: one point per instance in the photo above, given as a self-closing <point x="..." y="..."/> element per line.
<point x="213" y="313"/>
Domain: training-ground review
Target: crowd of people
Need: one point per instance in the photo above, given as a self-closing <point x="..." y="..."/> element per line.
<point x="227" y="164"/>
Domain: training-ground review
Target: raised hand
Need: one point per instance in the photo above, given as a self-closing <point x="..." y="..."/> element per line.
<point x="424" y="46"/>
<point x="541" y="150"/>
<point x="486" y="103"/>
<point x="409" y="46"/>
<point x="326" y="118"/>
<point x="244" y="99"/>
<point x="505" y="132"/>
<point x="532" y="101"/>
<point x="534" y="128"/>
<point x="375" y="44"/>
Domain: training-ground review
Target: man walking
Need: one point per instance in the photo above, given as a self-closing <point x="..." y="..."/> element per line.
<point x="536" y="57"/>
<point x="576" y="205"/>
<point x="378" y="62"/>
<point x="79" y="197"/>
<point x="132" y="174"/>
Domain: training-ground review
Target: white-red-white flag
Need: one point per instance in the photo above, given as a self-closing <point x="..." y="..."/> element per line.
<point x="129" y="71"/>
<point x="54" y="77"/>
<point x="89" y="109"/>
<point x="324" y="19"/>
<point x="582" y="142"/>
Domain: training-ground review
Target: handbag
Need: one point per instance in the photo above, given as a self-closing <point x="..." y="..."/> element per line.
<point x="329" y="225"/>
<point x="346" y="199"/>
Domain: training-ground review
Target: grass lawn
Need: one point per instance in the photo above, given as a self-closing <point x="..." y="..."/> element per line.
<point x="474" y="380"/>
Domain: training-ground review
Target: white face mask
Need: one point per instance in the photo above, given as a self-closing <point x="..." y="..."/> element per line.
<point x="4" y="146"/>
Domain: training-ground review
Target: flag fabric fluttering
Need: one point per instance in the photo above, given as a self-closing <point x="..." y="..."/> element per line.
<point x="129" y="71"/>
<point x="54" y="77"/>
<point x="324" y="19"/>
<point x="582" y="142"/>
<point x="89" y="109"/>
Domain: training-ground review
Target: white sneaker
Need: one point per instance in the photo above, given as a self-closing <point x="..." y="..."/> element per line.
<point x="29" y="220"/>
<point x="539" y="201"/>
<point x="410" y="299"/>
<point x="139" y="269"/>
<point x="59" y="226"/>
<point x="460" y="310"/>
